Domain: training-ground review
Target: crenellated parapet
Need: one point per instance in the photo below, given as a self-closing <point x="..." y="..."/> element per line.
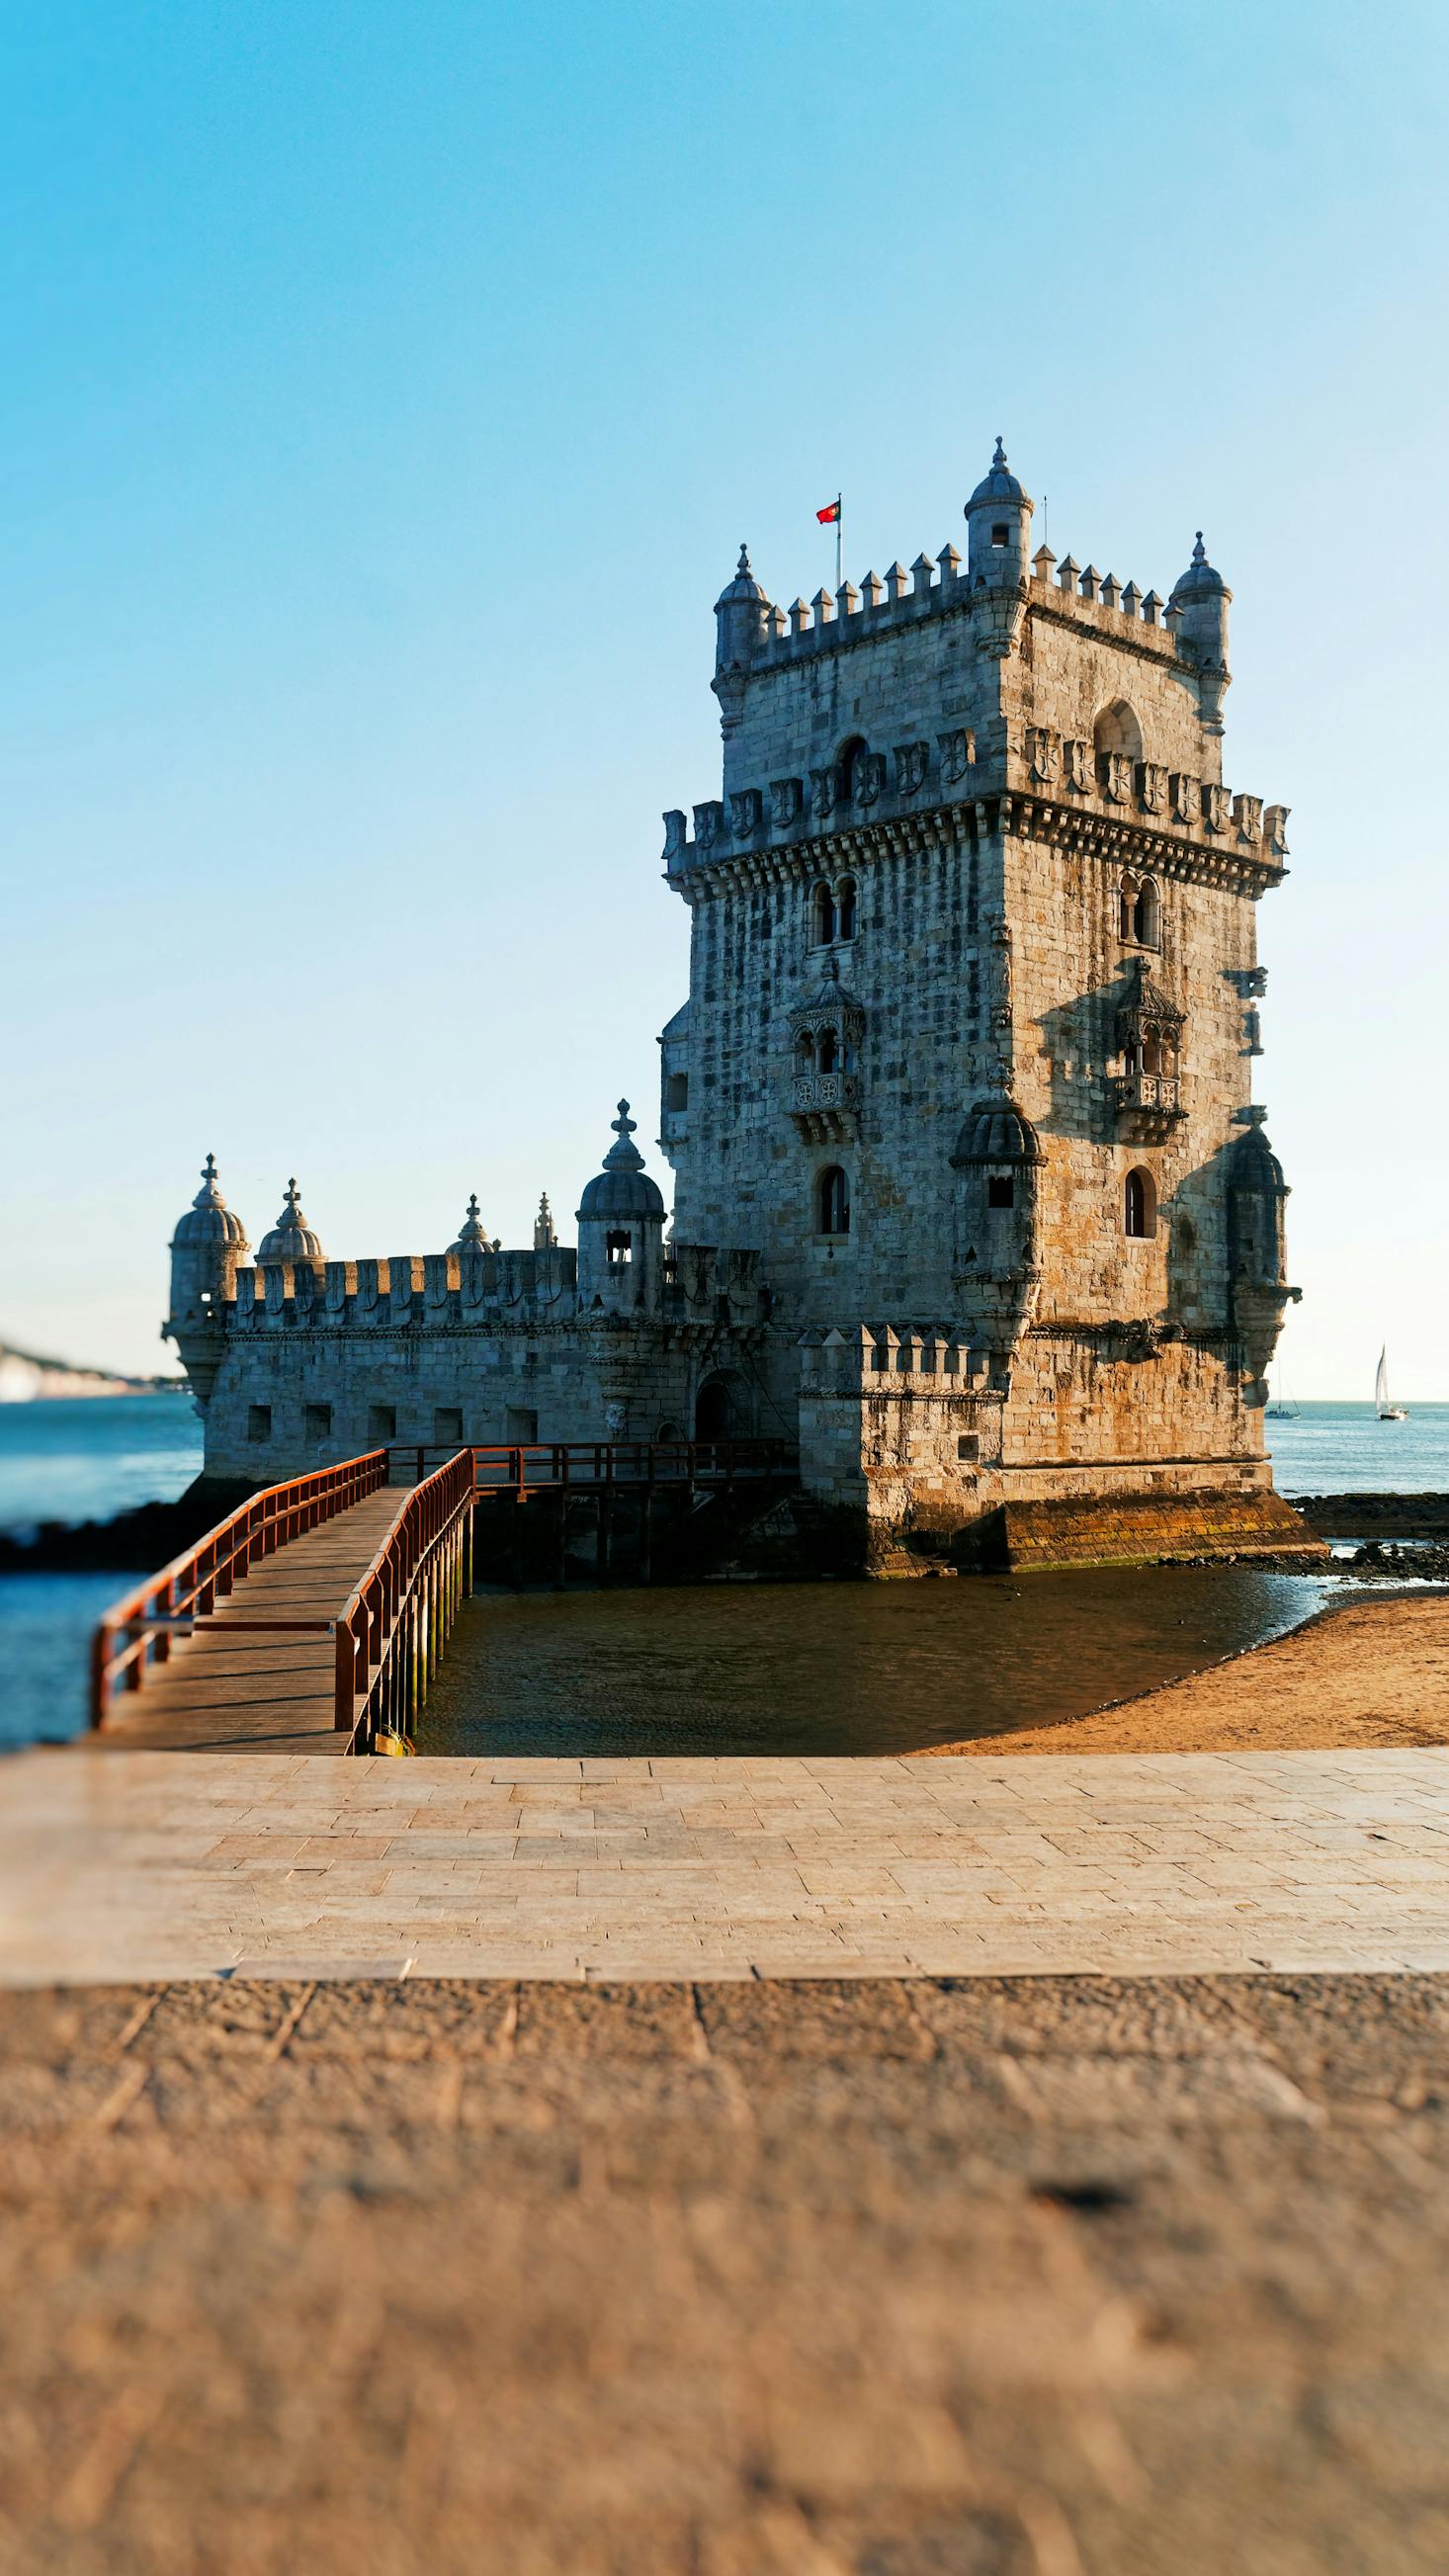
<point x="889" y="1359"/>
<point x="890" y="793"/>
<point x="472" y="1283"/>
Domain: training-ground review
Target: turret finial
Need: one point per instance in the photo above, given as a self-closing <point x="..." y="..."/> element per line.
<point x="208" y="1195"/>
<point x="624" y="1125"/>
<point x="1199" y="551"/>
<point x="744" y="562"/>
<point x="472" y="1229"/>
<point x="1000" y="457"/>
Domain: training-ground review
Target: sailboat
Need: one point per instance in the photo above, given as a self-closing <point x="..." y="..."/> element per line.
<point x="1386" y="1411"/>
<point x="1283" y="1408"/>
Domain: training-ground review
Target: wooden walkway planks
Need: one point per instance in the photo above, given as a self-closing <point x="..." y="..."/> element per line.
<point x="251" y="1692"/>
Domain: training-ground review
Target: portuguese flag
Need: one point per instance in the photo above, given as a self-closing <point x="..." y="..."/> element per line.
<point x="827" y="516"/>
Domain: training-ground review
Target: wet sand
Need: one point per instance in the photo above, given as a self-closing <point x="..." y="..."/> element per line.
<point x="1368" y="1672"/>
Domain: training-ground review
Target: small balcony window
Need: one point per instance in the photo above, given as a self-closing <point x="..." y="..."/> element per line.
<point x="620" y="1249"/>
<point x="1000" y="1190"/>
<point x="1140" y="1205"/>
<point x="259" y="1422"/>
<point x="832" y="1198"/>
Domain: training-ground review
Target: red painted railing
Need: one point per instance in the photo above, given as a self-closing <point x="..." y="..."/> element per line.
<point x="394" y="1625"/>
<point x="520" y="1469"/>
<point x="136" y="1632"/>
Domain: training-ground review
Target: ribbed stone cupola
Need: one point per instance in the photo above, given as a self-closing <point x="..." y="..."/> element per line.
<point x="291" y="1238"/>
<point x="210" y="1240"/>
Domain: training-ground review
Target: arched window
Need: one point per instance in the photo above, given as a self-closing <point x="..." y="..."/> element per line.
<point x="1117" y="729"/>
<point x="1139" y="1207"/>
<point x="1126" y="907"/>
<point x="620" y="1251"/>
<point x="823" y="908"/>
<point x="832" y="1201"/>
<point x="827" y="1054"/>
<point x="805" y="1052"/>
<point x="1145" y="915"/>
<point x="845" y="908"/>
<point x="846" y="759"/>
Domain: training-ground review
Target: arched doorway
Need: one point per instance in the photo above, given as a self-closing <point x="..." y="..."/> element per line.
<point x="717" y="1412"/>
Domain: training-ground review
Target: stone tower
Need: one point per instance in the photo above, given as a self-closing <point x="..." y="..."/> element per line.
<point x="968" y="1044"/>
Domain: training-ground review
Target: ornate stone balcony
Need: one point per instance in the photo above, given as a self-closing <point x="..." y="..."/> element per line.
<point x="1148" y="1104"/>
<point x="823" y="1106"/>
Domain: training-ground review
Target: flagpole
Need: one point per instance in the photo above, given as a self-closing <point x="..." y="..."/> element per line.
<point x="839" y="541"/>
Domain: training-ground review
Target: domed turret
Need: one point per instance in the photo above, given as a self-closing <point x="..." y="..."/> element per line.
<point x="1257" y="1253"/>
<point x="998" y="517"/>
<point x="210" y="1240"/>
<point x="996" y="1250"/>
<point x="621" y="1230"/>
<point x="740" y="613"/>
<point x="1198" y="612"/>
<point x="291" y="1238"/>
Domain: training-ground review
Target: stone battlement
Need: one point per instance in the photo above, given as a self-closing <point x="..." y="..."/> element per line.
<point x="918" y="778"/>
<point x="835" y="622"/>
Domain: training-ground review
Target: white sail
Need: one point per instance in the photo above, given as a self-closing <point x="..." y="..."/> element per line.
<point x="1387" y="1411"/>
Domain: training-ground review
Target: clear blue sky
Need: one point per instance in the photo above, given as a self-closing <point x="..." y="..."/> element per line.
<point x="388" y="390"/>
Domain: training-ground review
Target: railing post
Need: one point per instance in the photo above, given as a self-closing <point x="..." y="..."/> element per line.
<point x="100" y="1674"/>
<point x="343" y="1674"/>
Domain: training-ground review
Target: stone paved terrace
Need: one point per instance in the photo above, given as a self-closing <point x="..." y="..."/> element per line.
<point x="1044" y="2277"/>
<point x="157" y="1866"/>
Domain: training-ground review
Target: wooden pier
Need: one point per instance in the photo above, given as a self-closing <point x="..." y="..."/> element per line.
<point x="312" y="1620"/>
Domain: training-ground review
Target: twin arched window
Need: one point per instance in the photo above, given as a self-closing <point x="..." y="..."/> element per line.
<point x="832" y="1201"/>
<point x="1139" y="912"/>
<point x="823" y="1051"/>
<point x="833" y="912"/>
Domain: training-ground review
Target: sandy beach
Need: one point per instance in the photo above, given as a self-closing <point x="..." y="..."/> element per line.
<point x="1368" y="1672"/>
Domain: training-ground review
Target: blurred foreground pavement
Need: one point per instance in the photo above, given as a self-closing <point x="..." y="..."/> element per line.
<point x="1038" y="2276"/>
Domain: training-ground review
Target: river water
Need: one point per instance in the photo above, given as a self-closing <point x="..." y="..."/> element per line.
<point x="824" y="1668"/>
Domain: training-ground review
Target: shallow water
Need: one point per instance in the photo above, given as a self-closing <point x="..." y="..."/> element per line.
<point x="806" y="1668"/>
<point x="825" y="1668"/>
